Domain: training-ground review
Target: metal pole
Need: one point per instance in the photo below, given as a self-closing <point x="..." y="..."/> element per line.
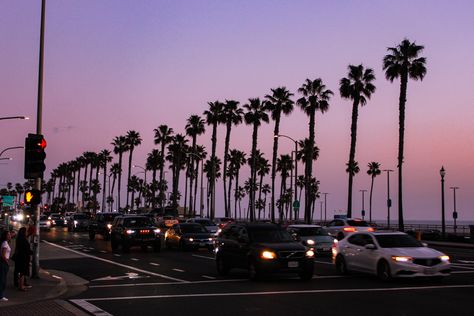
<point x="36" y="237"/>
<point x="321" y="211"/>
<point x="389" y="202"/>
<point x="363" y="204"/>
<point x="455" y="213"/>
<point x="325" y="207"/>
<point x="443" y="222"/>
<point x="296" y="177"/>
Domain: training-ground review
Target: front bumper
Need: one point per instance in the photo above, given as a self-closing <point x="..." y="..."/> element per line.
<point x="199" y="243"/>
<point x="411" y="270"/>
<point x="280" y="265"/>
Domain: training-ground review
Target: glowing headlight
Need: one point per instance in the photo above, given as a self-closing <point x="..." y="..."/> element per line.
<point x="130" y="231"/>
<point x="157" y="231"/>
<point x="48" y="223"/>
<point x="268" y="255"/>
<point x="20" y="217"/>
<point x="310" y="242"/>
<point x="402" y="259"/>
<point x="444" y="258"/>
<point x="75" y="222"/>
<point x="109" y="226"/>
<point x="310" y="253"/>
<point x="210" y="239"/>
<point x="65" y="221"/>
<point x="191" y="239"/>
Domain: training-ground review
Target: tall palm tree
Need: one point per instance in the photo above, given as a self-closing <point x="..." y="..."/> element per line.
<point x="284" y="166"/>
<point x="278" y="102"/>
<point x="115" y="170"/>
<point x="194" y="127"/>
<point x="214" y="116"/>
<point x="237" y="160"/>
<point x="374" y="170"/>
<point x="200" y="151"/>
<point x="256" y="113"/>
<point x="403" y="61"/>
<point x="176" y="156"/>
<point x="105" y="157"/>
<point x="133" y="139"/>
<point x="81" y="162"/>
<point x="154" y="162"/>
<point x="263" y="168"/>
<point x="265" y="190"/>
<point x="120" y="146"/>
<point x="315" y="98"/>
<point x="304" y="154"/>
<point x="163" y="136"/>
<point x="232" y="116"/>
<point x="357" y="87"/>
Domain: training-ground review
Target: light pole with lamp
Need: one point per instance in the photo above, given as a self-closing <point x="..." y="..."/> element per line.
<point x="201" y="207"/>
<point x="442" y="173"/>
<point x="321" y="211"/>
<point x="14" y="118"/>
<point x="455" y="213"/>
<point x="10" y="148"/>
<point x="325" y="206"/>
<point x="389" y="202"/>
<point x="363" y="203"/>
<point x="296" y="203"/>
<point x="6" y="158"/>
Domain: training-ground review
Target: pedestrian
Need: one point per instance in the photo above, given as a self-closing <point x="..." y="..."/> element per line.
<point x="22" y="258"/>
<point x="5" y="251"/>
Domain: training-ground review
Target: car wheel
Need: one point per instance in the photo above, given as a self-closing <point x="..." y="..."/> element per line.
<point x="383" y="271"/>
<point x="114" y="244"/>
<point x="222" y="266"/>
<point x="341" y="265"/>
<point x="157" y="246"/>
<point x="306" y="274"/>
<point x="91" y="235"/>
<point x="254" y="272"/>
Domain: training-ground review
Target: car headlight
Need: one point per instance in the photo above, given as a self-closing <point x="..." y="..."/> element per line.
<point x="48" y="223"/>
<point x="53" y="221"/>
<point x="191" y="239"/>
<point x="402" y="259"/>
<point x="65" y="221"/>
<point x="130" y="231"/>
<point x="210" y="239"/>
<point x="444" y="258"/>
<point x="157" y="231"/>
<point x="109" y="226"/>
<point x="310" y="253"/>
<point x="310" y="242"/>
<point x="268" y="255"/>
<point x="75" y="222"/>
<point x="20" y="217"/>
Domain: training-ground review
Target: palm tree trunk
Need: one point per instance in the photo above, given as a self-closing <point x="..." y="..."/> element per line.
<point x="85" y="181"/>
<point x="260" y="194"/>
<point x="213" y="170"/>
<point x="228" y="194"/>
<point x="129" y="172"/>
<point x="224" y="176"/>
<point x="276" y="131"/>
<point x="236" y="191"/>
<point x="309" y="167"/>
<point x="104" y="185"/>
<point x="186" y="176"/>
<point x="90" y="179"/>
<point x="161" y="170"/>
<point x="119" y="185"/>
<point x="78" y="184"/>
<point x="195" y="188"/>
<point x="355" y="109"/>
<point x="112" y="189"/>
<point x="401" y="142"/>
<point x="192" y="174"/>
<point x="253" y="172"/>
<point x="370" y="199"/>
<point x="153" y="203"/>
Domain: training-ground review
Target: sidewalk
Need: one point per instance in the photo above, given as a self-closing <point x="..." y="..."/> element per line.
<point x="44" y="296"/>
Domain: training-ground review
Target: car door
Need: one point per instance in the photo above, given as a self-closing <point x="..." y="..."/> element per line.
<point x="367" y="258"/>
<point x="243" y="247"/>
<point x="351" y="251"/>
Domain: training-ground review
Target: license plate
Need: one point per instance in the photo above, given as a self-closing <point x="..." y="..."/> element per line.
<point x="293" y="264"/>
<point x="430" y="271"/>
<point x="326" y="249"/>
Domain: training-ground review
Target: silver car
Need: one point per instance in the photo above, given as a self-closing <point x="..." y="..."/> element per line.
<point x="314" y="237"/>
<point x="341" y="227"/>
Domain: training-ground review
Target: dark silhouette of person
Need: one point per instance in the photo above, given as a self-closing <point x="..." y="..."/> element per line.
<point x="22" y="258"/>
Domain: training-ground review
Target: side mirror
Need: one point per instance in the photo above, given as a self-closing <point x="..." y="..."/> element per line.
<point x="370" y="246"/>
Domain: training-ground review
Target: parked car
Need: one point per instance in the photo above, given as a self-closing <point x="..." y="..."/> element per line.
<point x="389" y="255"/>
<point x="78" y="221"/>
<point x="341" y="227"/>
<point x="135" y="230"/>
<point x="314" y="237"/>
<point x="262" y="248"/>
<point x="57" y="220"/>
<point x="207" y="223"/>
<point x="101" y="225"/>
<point x="189" y="236"/>
<point x="168" y="221"/>
<point x="45" y="223"/>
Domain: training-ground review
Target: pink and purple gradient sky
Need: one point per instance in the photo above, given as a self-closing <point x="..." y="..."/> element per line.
<point x="113" y="66"/>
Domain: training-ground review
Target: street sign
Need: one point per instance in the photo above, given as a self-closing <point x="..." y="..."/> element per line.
<point x="7" y="200"/>
<point x="296" y="204"/>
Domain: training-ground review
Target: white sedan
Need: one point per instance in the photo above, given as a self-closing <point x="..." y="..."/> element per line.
<point x="388" y="255"/>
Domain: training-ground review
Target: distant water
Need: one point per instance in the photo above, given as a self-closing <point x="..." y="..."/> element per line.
<point x="424" y="221"/>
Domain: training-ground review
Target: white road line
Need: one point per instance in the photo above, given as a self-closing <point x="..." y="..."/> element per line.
<point x="178" y="270"/>
<point x="103" y="251"/>
<point x="458" y="266"/>
<point x="323" y="262"/>
<point x="116" y="254"/>
<point x="155" y="264"/>
<point x="203" y="257"/>
<point x="208" y="277"/>
<point x="458" y="272"/>
<point x="414" y="288"/>
<point x="134" y="259"/>
<point x="165" y="283"/>
<point x="119" y="264"/>
<point x="94" y="310"/>
<point x="466" y="261"/>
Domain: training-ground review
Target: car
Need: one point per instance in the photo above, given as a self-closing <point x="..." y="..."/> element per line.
<point x="389" y="255"/>
<point x="101" y="224"/>
<point x="341" y="227"/>
<point x="44" y="223"/>
<point x="221" y="222"/>
<point x="262" y="248"/>
<point x="57" y="220"/>
<point x="78" y="221"/>
<point x="189" y="236"/>
<point x="168" y="221"/>
<point x="314" y="237"/>
<point x="207" y="223"/>
<point x="134" y="230"/>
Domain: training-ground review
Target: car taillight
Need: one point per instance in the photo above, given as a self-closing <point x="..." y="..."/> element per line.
<point x="350" y="229"/>
<point x="370" y="229"/>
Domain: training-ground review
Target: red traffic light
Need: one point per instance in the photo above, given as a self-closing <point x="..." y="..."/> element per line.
<point x="43" y="144"/>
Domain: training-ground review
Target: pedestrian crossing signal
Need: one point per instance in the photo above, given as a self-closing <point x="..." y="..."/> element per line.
<point x="33" y="197"/>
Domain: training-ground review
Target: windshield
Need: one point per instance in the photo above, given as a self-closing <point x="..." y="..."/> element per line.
<point x="110" y="217"/>
<point x="310" y="231"/>
<point x="137" y="222"/>
<point x="80" y="216"/>
<point x="397" y="241"/>
<point x="270" y="235"/>
<point x="357" y="223"/>
<point x="205" y="222"/>
<point x="195" y="228"/>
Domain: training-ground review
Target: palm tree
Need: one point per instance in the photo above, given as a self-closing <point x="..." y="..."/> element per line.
<point x="284" y="165"/>
<point x="256" y="113"/>
<point x="265" y="190"/>
<point x="403" y="62"/>
<point x="176" y="156"/>
<point x="237" y="160"/>
<point x="374" y="170"/>
<point x="105" y="157"/>
<point x="120" y="146"/>
<point x="115" y="170"/>
<point x="263" y="168"/>
<point x="357" y="87"/>
<point x="133" y="139"/>
<point x="232" y="116"/>
<point x="305" y="154"/>
<point x="315" y="98"/>
<point x="214" y="116"/>
<point x="154" y="162"/>
<point x="194" y="127"/>
<point x="278" y="102"/>
<point x="163" y="136"/>
<point x="200" y="152"/>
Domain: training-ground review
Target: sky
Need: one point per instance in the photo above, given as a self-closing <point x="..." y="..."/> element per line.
<point x="111" y="66"/>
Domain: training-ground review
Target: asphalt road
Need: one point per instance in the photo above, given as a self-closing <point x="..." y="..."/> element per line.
<point x="186" y="283"/>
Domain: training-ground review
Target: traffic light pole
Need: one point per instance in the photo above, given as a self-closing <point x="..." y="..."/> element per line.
<point x="39" y="114"/>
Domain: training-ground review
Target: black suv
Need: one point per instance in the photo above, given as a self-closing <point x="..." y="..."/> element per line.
<point x="133" y="230"/>
<point x="101" y="225"/>
<point x="262" y="248"/>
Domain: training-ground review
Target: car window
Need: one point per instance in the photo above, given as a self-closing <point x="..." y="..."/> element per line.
<point x="136" y="222"/>
<point x="356" y="239"/>
<point x="331" y="223"/>
<point x="242" y="234"/>
<point x="357" y="223"/>
<point x="270" y="235"/>
<point x="309" y="231"/>
<point x="80" y="216"/>
<point x="397" y="241"/>
<point x="193" y="228"/>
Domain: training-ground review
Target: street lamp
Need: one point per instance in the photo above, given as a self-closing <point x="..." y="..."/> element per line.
<point x="14" y="118"/>
<point x="389" y="202"/>
<point x="201" y="208"/>
<point x="455" y="213"/>
<point x="442" y="173"/>
<point x="6" y="158"/>
<point x="363" y="200"/>
<point x="9" y="148"/>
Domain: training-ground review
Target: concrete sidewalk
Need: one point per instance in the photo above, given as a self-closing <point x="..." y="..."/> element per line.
<point x="45" y="296"/>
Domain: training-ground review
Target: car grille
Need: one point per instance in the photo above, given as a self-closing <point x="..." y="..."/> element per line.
<point x="291" y="254"/>
<point x="427" y="262"/>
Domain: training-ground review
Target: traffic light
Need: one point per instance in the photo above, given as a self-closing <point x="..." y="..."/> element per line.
<point x="34" y="156"/>
<point x="33" y="197"/>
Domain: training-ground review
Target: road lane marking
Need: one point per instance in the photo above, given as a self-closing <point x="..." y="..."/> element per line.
<point x="94" y="310"/>
<point x="466" y="261"/>
<point x="134" y="259"/>
<point x="178" y="270"/>
<point x="116" y="254"/>
<point x="118" y="264"/>
<point x="103" y="251"/>
<point x="155" y="264"/>
<point x="414" y="288"/>
<point x="165" y="283"/>
<point x="462" y="266"/>
<point x="457" y="272"/>
<point x="208" y="277"/>
<point x="323" y="262"/>
<point x="203" y="257"/>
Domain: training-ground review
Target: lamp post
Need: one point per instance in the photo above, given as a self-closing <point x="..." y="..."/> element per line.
<point x="389" y="202"/>
<point x="321" y="211"/>
<point x="109" y="187"/>
<point x="14" y="118"/>
<point x="455" y="213"/>
<point x="442" y="173"/>
<point x="363" y="203"/>
<point x="296" y="202"/>
<point x="325" y="206"/>
<point x="6" y="158"/>
<point x="10" y="148"/>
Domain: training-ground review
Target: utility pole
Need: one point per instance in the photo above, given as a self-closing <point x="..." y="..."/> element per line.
<point x="455" y="213"/>
<point x="325" y="206"/>
<point x="363" y="204"/>
<point x="389" y="201"/>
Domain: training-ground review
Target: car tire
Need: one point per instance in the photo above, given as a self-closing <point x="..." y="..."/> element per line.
<point x="91" y="235"/>
<point x="222" y="266"/>
<point x="113" y="244"/>
<point x="383" y="271"/>
<point x="157" y="246"/>
<point x="341" y="265"/>
<point x="306" y="274"/>
<point x="254" y="272"/>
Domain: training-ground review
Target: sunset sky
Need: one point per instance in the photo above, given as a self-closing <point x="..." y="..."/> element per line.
<point x="113" y="66"/>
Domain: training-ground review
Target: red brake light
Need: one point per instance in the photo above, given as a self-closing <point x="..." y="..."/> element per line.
<point x="370" y="229"/>
<point x="350" y="229"/>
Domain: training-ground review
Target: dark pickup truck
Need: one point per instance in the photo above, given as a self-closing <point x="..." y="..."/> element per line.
<point x="101" y="224"/>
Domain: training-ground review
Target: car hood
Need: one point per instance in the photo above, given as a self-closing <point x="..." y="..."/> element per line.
<point x="319" y="239"/>
<point x="212" y="229"/>
<point x="415" y="252"/>
<point x="284" y="246"/>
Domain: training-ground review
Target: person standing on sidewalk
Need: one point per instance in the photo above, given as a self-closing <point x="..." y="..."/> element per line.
<point x="5" y="251"/>
<point x="22" y="258"/>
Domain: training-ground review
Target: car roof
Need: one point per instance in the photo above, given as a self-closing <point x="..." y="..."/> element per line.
<point x="304" y="226"/>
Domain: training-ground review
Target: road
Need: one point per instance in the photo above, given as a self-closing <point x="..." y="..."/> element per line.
<point x="178" y="283"/>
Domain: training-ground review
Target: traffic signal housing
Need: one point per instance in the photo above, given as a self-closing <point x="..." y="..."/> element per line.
<point x="34" y="156"/>
<point x="33" y="197"/>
